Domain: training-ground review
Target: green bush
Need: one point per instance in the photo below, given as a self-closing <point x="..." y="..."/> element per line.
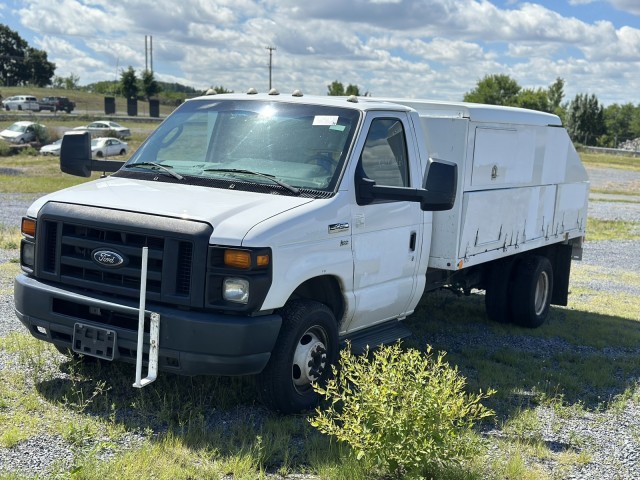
<point x="405" y="411"/>
<point x="5" y="149"/>
<point x="42" y="134"/>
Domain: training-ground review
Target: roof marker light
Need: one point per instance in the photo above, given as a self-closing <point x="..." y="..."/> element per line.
<point x="352" y="99"/>
<point x="252" y="91"/>
<point x="297" y="93"/>
<point x="273" y="91"/>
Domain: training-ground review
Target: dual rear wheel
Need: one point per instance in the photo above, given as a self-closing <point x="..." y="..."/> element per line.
<point x="519" y="291"/>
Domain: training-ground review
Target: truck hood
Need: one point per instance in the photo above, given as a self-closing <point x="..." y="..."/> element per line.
<point x="232" y="213"/>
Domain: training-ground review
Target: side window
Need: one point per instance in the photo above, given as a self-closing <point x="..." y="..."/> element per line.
<point x="384" y="157"/>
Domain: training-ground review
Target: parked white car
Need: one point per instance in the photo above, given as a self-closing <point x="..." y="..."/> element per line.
<point x="52" y="148"/>
<point x="21" y="132"/>
<point x="104" y="127"/>
<point x="21" y="102"/>
<point x="108" y="147"/>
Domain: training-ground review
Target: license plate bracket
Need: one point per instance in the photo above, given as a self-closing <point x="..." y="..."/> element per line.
<point x="94" y="341"/>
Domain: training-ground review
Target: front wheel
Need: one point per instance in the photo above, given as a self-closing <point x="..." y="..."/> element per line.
<point x="532" y="291"/>
<point x="304" y="352"/>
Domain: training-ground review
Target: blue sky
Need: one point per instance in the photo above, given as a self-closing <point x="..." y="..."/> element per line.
<point x="417" y="48"/>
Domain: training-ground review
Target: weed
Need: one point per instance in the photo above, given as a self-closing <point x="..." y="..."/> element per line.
<point x="405" y="410"/>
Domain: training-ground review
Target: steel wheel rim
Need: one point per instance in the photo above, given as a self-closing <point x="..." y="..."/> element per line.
<point x="542" y="293"/>
<point x="309" y="359"/>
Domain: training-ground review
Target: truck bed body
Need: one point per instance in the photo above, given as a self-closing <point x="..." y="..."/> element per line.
<point x="521" y="183"/>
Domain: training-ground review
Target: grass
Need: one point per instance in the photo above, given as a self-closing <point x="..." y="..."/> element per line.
<point x="9" y="238"/>
<point x="611" y="161"/>
<point x="33" y="173"/>
<point x="612" y="230"/>
<point x="212" y="427"/>
<point x="86" y="102"/>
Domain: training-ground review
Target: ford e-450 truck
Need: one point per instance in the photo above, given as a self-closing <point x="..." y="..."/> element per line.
<point x="252" y="234"/>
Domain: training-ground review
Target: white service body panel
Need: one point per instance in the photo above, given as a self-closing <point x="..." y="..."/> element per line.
<point x="521" y="183"/>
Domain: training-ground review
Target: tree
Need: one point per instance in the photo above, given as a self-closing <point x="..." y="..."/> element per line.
<point x="532" y="99"/>
<point x="38" y="70"/>
<point x="555" y="93"/>
<point x="337" y="89"/>
<point x="12" y="53"/>
<point x="21" y="64"/>
<point x="70" y="82"/>
<point x="618" y="120"/>
<point x="497" y="89"/>
<point x="150" y="87"/>
<point x="129" y="83"/>
<point x="585" y="119"/>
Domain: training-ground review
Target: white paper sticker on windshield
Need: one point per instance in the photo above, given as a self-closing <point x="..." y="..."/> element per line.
<point x="325" y="120"/>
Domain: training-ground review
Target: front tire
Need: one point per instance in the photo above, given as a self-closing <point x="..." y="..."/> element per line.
<point x="532" y="291"/>
<point x="304" y="352"/>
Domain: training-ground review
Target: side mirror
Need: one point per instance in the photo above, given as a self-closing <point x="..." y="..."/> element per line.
<point x="75" y="156"/>
<point x="438" y="192"/>
<point x="440" y="185"/>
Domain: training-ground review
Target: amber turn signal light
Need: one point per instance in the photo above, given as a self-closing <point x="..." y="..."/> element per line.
<point x="28" y="227"/>
<point x="237" y="259"/>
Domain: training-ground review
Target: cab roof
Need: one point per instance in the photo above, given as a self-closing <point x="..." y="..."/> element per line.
<point x="425" y="108"/>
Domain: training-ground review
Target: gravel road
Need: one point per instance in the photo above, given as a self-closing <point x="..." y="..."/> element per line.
<point x="611" y="438"/>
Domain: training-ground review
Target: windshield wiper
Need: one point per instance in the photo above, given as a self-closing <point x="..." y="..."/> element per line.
<point x="292" y="189"/>
<point x="155" y="166"/>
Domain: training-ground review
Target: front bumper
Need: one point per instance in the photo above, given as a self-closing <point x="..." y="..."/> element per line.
<point x="191" y="343"/>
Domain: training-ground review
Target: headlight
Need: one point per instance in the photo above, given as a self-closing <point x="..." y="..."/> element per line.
<point x="236" y="290"/>
<point x="27" y="245"/>
<point x="27" y="254"/>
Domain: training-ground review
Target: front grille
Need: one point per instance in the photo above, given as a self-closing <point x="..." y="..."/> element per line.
<point x="69" y="236"/>
<point x="78" y="242"/>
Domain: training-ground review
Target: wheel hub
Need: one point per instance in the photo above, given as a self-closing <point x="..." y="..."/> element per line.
<point x="309" y="360"/>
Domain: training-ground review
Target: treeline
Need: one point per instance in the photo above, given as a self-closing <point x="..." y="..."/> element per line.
<point x="587" y="121"/>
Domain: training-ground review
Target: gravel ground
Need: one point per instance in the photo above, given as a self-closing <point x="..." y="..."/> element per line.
<point x="610" y="438"/>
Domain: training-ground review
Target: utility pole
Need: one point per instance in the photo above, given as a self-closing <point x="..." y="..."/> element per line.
<point x="271" y="49"/>
<point x="148" y="52"/>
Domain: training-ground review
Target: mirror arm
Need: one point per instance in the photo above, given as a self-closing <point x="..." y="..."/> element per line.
<point x="106" y="165"/>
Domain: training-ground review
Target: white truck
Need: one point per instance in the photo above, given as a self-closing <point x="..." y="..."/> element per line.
<point x="253" y="233"/>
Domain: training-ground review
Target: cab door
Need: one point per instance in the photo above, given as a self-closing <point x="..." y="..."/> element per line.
<point x="386" y="234"/>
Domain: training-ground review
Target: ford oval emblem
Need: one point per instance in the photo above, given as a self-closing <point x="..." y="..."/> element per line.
<point x="107" y="258"/>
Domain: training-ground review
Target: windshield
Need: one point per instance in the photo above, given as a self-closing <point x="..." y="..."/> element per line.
<point x="264" y="142"/>
<point x="17" y="128"/>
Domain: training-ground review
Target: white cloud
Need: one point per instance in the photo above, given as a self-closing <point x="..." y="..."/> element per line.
<point x="631" y="6"/>
<point x="436" y="48"/>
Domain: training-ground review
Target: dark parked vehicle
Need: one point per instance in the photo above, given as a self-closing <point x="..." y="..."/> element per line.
<point x="56" y="104"/>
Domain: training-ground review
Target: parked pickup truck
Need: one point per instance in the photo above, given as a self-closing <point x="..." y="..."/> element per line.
<point x="253" y="234"/>
<point x="57" y="104"/>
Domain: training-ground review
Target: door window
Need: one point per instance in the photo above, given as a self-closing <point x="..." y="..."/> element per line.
<point x="384" y="157"/>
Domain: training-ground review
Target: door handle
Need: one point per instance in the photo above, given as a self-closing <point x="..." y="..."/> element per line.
<point x="412" y="241"/>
